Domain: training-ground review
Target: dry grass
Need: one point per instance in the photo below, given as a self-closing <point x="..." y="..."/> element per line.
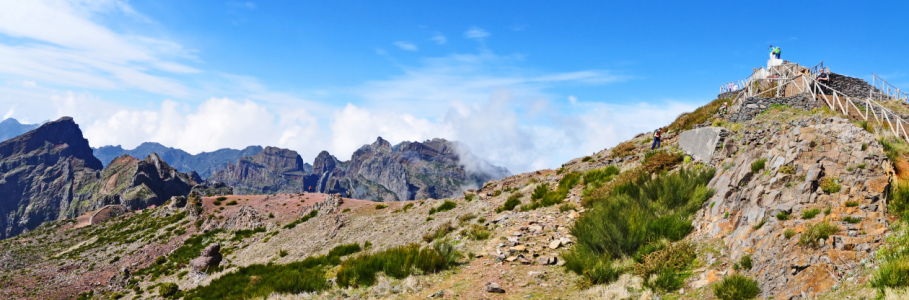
<point x="622" y="150"/>
<point x="661" y="161"/>
<point x="687" y="121"/>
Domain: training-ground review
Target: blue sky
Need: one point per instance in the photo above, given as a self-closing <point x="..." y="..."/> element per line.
<point x="524" y="84"/>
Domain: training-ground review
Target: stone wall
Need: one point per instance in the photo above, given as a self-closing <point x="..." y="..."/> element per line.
<point x="850" y="86"/>
<point x="752" y="106"/>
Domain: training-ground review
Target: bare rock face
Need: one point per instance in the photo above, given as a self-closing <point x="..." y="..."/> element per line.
<point x="799" y="155"/>
<point x="211" y="257"/>
<point x="247" y="218"/>
<point x="273" y="170"/>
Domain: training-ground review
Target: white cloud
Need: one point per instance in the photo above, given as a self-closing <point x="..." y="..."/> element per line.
<point x="439" y="39"/>
<point x="85" y="54"/>
<point x="10" y="112"/>
<point x="476" y="33"/>
<point x="406" y="46"/>
<point x="573" y="99"/>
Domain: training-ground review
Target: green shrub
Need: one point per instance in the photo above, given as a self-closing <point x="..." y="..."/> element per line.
<point x="258" y="281"/>
<point x="216" y="202"/>
<point x="469" y="197"/>
<point x="221" y="198"/>
<point x="239" y="235"/>
<point x="686" y="121"/>
<point x="407" y="206"/>
<point x="736" y="287"/>
<point x="814" y="232"/>
<point x="830" y="185"/>
<point x="305" y="218"/>
<point x="667" y="264"/>
<point x="445" y="206"/>
<point x="399" y="262"/>
<point x="477" y="232"/>
<point x="744" y="263"/>
<point x="567" y="207"/>
<point x="758" y="165"/>
<point x="440" y="232"/>
<point x="782" y="216"/>
<point x="789" y="233"/>
<point x="599" y="176"/>
<point x="232" y="202"/>
<point x="622" y="150"/>
<point x="852" y="220"/>
<point x="497" y="193"/>
<point x="644" y="210"/>
<point x="347" y="210"/>
<point x="898" y="200"/>
<point x="282" y="253"/>
<point x="759" y="224"/>
<point x="787" y="170"/>
<point x="893" y="271"/>
<point x="168" y="289"/>
<point x="513" y="200"/>
<point x="852" y="203"/>
<point x="543" y="197"/>
<point x="867" y="126"/>
<point x="586" y="159"/>
<point x="661" y="161"/>
<point x="810" y="213"/>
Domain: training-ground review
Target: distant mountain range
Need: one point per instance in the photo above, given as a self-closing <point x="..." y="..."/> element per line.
<point x="11" y="128"/>
<point x="205" y="163"/>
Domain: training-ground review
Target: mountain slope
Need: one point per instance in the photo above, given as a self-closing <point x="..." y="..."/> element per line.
<point x="10" y="128"/>
<point x="205" y="163"/>
<point x="273" y="170"/>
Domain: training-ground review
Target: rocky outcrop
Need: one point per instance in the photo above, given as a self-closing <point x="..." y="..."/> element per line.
<point x="210" y="258"/>
<point x="139" y="183"/>
<point x="273" y="170"/>
<point x="213" y="189"/>
<point x="410" y="170"/>
<point x="42" y="172"/>
<point x="799" y="156"/>
<point x="205" y="163"/>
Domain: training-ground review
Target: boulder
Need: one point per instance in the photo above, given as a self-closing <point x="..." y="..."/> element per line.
<point x="211" y="257"/>
<point x="493" y="287"/>
<point x="701" y="143"/>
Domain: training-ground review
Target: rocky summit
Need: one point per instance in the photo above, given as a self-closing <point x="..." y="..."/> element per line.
<point x="204" y="164"/>
<point x="272" y="170"/>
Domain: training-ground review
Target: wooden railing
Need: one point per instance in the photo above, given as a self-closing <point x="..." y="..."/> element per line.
<point x="883" y="90"/>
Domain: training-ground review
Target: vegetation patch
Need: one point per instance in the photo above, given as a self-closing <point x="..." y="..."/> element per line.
<point x="893" y="272"/>
<point x="686" y="121"/>
<point x="758" y="165"/>
<point x="192" y="247"/>
<point x="810" y="213"/>
<point x="661" y="161"/>
<point x="789" y="233"/>
<point x="736" y="287"/>
<point x="399" y="262"/>
<point x="644" y="211"/>
<point x="830" y="185"/>
<point x="259" y="281"/>
<point x="513" y="201"/>
<point x="543" y="197"/>
<point x="787" y="170"/>
<point x="305" y="218"/>
<point x="476" y="232"/>
<point x="852" y="220"/>
<point x="666" y="267"/>
<point x="782" y="216"/>
<point x="445" y="206"/>
<point x="622" y="150"/>
<point x="440" y="232"/>
<point x="381" y="206"/>
<point x="240" y="235"/>
<point x="817" y="231"/>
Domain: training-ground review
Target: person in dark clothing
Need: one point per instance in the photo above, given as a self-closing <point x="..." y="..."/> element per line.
<point x="656" y="139"/>
<point x="824" y="81"/>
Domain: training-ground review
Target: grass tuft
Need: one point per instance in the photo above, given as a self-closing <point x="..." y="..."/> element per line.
<point x="815" y="232"/>
<point x="758" y="165"/>
<point x="736" y="287"/>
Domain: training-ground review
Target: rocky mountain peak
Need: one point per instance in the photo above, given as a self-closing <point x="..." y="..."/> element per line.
<point x="324" y="163"/>
<point x="282" y="160"/>
<point x="60" y="138"/>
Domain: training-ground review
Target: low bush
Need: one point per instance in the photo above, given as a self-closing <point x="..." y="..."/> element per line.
<point x="667" y="264"/>
<point x="222" y="198"/>
<point x="513" y="201"/>
<point x="168" y="289"/>
<point x="586" y="159"/>
<point x="232" y="202"/>
<point x="814" y="232"/>
<point x="661" y="161"/>
<point x="810" y="213"/>
<point x="744" y="263"/>
<point x="469" y="197"/>
<point x="898" y="200"/>
<point x="305" y="218"/>
<point x="893" y="271"/>
<point x="597" y="177"/>
<point x="407" y="206"/>
<point x="639" y="212"/>
<point x="445" y="206"/>
<point x="259" y="281"/>
<point x="543" y="197"/>
<point x="867" y="126"/>
<point x="736" y="287"/>
<point x="191" y="248"/>
<point x="789" y="233"/>
<point x="686" y="121"/>
<point x="239" y="235"/>
<point x="439" y="232"/>
<point x="782" y="216"/>
<point x="758" y="165"/>
<point x="477" y="232"/>
<point x="852" y="220"/>
<point x="851" y="203"/>
<point x="759" y="224"/>
<point x="622" y="150"/>
<point x="787" y="170"/>
<point x="216" y="202"/>
<point x="399" y="262"/>
<point x="830" y="185"/>
<point x="282" y="253"/>
<point x="567" y="207"/>
<point x="345" y="210"/>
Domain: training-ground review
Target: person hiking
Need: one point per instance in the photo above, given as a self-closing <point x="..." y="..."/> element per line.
<point x="656" y="138"/>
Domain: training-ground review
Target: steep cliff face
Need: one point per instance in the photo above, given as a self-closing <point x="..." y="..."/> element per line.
<point x="205" y="163"/>
<point x="410" y="170"/>
<point x="50" y="173"/>
<point x="41" y="172"/>
<point x="270" y="171"/>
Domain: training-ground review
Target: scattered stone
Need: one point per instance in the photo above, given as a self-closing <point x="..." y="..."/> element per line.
<point x="211" y="257"/>
<point x="493" y="287"/>
<point x="555" y="244"/>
